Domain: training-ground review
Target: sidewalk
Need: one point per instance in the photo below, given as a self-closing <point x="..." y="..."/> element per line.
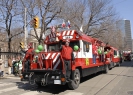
<point x="125" y="85"/>
<point x="7" y="75"/>
<point x="11" y="76"/>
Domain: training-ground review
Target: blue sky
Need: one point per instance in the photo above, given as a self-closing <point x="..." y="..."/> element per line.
<point x="125" y="10"/>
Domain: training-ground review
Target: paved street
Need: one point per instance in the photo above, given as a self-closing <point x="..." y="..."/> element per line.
<point x="117" y="82"/>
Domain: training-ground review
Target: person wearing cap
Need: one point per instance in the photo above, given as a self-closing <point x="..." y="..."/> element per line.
<point x="68" y="57"/>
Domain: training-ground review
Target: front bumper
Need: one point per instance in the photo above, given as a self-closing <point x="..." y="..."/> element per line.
<point x="48" y="77"/>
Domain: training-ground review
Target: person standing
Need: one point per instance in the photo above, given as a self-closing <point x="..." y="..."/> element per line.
<point x="13" y="60"/>
<point x="101" y="47"/>
<point x="19" y="66"/>
<point x="9" y="65"/>
<point x="68" y="58"/>
<point x="94" y="52"/>
<point x="2" y="68"/>
<point x="15" y="67"/>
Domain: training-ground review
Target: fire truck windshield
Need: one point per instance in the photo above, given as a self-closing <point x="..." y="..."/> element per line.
<point x="56" y="46"/>
<point x="53" y="47"/>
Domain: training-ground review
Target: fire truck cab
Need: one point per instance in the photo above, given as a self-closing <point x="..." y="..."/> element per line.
<point x="47" y="67"/>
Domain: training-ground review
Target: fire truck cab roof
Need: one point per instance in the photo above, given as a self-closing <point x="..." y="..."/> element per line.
<point x="72" y="35"/>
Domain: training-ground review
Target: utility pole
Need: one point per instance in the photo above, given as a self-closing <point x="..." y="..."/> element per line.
<point x="25" y="30"/>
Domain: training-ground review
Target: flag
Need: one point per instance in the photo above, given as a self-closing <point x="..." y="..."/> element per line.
<point x="68" y="24"/>
<point x="53" y="29"/>
<point x="63" y="24"/>
<point x="81" y="28"/>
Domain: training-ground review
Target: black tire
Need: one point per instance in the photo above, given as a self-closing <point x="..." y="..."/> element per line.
<point x="74" y="84"/>
<point x="111" y="65"/>
<point x="106" y="69"/>
<point x="38" y="84"/>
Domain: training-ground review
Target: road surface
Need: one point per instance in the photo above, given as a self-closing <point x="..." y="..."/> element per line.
<point x="119" y="81"/>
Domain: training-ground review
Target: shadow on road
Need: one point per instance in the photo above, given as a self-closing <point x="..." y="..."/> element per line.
<point x="53" y="89"/>
<point x="127" y="64"/>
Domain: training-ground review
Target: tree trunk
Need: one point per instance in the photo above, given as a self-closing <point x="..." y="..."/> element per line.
<point x="40" y="41"/>
<point x="9" y="45"/>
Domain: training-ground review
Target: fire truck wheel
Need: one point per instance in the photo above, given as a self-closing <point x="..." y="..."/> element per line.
<point x="38" y="84"/>
<point x="106" y="69"/>
<point x="111" y="65"/>
<point x="75" y="83"/>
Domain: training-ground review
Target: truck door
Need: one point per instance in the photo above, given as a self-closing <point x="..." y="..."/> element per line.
<point x="86" y="53"/>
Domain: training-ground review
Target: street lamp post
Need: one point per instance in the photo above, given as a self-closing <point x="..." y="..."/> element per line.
<point x="25" y="30"/>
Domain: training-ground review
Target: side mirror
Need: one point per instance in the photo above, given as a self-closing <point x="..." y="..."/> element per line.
<point x="87" y="47"/>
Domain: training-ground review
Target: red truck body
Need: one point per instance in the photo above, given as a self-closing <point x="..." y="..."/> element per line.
<point x="47" y="67"/>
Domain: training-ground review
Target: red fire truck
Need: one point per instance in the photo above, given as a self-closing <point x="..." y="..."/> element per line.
<point x="127" y="55"/>
<point x="48" y="66"/>
<point x="114" y="56"/>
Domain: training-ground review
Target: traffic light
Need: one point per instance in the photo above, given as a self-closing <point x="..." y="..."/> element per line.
<point x="36" y="22"/>
<point x="21" y="45"/>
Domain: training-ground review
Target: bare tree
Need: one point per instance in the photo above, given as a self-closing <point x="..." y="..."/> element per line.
<point x="9" y="15"/>
<point x="119" y="40"/>
<point x="3" y="40"/>
<point x="74" y="12"/>
<point x="99" y="13"/>
<point x="92" y="14"/>
<point x="47" y="10"/>
<point x="3" y="37"/>
<point x="108" y="35"/>
<point x="114" y="37"/>
<point x="16" y="39"/>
